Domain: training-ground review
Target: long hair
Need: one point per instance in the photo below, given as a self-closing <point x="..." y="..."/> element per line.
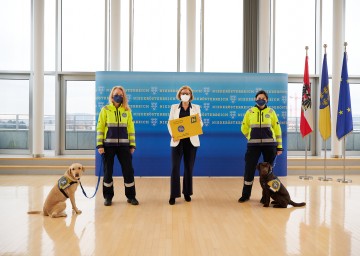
<point x="125" y="99"/>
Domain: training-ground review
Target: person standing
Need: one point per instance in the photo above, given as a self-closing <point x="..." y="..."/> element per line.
<point x="183" y="148"/>
<point x="116" y="137"/>
<point x="261" y="128"/>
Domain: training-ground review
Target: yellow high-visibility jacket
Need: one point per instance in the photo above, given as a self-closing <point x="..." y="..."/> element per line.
<point x="115" y="127"/>
<point x="261" y="127"/>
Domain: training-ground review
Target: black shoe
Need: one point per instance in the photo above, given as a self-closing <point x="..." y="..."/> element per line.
<point x="133" y="201"/>
<point x="107" y="202"/>
<point x="243" y="199"/>
<point x="187" y="198"/>
<point x="172" y="201"/>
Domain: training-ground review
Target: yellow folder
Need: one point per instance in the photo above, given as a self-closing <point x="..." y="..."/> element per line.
<point x="185" y="127"/>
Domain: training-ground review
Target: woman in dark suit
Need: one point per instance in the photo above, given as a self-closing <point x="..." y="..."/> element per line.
<point x="183" y="148"/>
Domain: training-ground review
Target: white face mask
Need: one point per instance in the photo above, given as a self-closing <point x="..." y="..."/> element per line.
<point x="185" y="98"/>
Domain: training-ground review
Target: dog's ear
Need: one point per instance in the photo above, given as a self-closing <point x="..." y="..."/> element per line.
<point x="269" y="166"/>
<point x="83" y="168"/>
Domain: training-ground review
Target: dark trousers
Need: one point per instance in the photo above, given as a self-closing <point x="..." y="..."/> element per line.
<point x="252" y="156"/>
<point x="186" y="149"/>
<point x="125" y="158"/>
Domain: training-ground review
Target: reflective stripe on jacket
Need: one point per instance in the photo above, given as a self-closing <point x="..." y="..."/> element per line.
<point x="261" y="127"/>
<point x="115" y="127"/>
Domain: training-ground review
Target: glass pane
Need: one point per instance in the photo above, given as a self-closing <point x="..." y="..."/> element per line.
<point x="124" y="36"/>
<point x="83" y="32"/>
<point x="183" y="37"/>
<point x="14" y="114"/>
<point x="155" y="35"/>
<point x="15" y="34"/>
<point x="223" y="36"/>
<point x="80" y="115"/>
<point x="49" y="35"/>
<point x="327" y="15"/>
<point x="49" y="113"/>
<point x="294" y="29"/>
<point x="352" y="36"/>
<point x="295" y="141"/>
<point x="353" y="139"/>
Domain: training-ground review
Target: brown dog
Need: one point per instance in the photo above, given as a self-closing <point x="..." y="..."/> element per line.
<point x="65" y="188"/>
<point x="273" y="188"/>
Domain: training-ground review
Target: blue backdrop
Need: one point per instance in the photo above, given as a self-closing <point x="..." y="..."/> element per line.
<point x="224" y="99"/>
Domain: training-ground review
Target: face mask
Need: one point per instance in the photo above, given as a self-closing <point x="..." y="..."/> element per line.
<point x="118" y="98"/>
<point x="260" y="102"/>
<point x="185" y="98"/>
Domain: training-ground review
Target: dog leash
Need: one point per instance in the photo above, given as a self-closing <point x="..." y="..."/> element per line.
<point x="98" y="182"/>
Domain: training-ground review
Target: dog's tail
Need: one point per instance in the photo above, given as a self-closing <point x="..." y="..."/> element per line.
<point x="34" y="212"/>
<point x="297" y="204"/>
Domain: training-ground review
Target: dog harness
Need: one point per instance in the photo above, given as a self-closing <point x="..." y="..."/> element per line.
<point x="274" y="184"/>
<point x="63" y="183"/>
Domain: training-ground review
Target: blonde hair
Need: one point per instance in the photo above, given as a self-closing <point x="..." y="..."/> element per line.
<point x="182" y="88"/>
<point x="125" y="99"/>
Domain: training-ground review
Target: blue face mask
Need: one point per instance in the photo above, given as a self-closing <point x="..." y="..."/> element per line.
<point x="260" y="102"/>
<point x="118" y="98"/>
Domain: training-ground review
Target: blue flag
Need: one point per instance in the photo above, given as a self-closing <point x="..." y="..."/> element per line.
<point x="344" y="123"/>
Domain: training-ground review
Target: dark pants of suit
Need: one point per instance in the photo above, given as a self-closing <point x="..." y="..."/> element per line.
<point x="125" y="158"/>
<point x="188" y="151"/>
<point x="252" y="156"/>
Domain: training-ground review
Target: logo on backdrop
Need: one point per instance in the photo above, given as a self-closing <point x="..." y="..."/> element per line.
<point x="154" y="121"/>
<point x="233" y="98"/>
<point x="154" y="90"/>
<point x="101" y="89"/>
<point x="154" y="105"/>
<point x="206" y="90"/>
<point x="206" y="106"/>
<point x="232" y="114"/>
<point x="206" y="121"/>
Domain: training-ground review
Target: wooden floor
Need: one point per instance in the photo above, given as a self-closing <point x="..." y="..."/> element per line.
<point x="213" y="223"/>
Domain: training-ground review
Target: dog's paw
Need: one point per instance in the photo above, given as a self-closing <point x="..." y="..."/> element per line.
<point x="266" y="205"/>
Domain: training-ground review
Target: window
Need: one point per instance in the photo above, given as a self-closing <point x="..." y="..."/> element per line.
<point x="83" y="32"/>
<point x="14" y="114"/>
<point x="223" y="30"/>
<point x="352" y="36"/>
<point x="80" y="115"/>
<point x="15" y="34"/>
<point x="292" y="33"/>
<point x="155" y="35"/>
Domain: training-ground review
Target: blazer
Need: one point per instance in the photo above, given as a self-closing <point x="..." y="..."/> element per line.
<point x="174" y="114"/>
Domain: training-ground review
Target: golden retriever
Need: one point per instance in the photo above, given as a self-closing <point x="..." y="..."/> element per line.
<point x="273" y="188"/>
<point x="65" y="188"/>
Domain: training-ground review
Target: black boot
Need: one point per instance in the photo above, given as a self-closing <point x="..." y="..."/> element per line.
<point x="246" y="193"/>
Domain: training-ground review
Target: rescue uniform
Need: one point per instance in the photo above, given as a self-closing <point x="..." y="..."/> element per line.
<point x="116" y="134"/>
<point x="262" y="129"/>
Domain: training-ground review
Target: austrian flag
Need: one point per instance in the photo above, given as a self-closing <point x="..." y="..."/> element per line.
<point x="306" y="119"/>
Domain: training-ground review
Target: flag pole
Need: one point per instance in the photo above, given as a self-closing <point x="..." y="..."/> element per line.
<point x="306" y="177"/>
<point x="343" y="180"/>
<point x="325" y="178"/>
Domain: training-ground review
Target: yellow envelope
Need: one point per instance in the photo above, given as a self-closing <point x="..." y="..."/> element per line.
<point x="185" y="127"/>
